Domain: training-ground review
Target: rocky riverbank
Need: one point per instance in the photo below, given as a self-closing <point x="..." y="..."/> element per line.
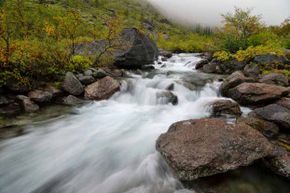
<point x="229" y="140"/>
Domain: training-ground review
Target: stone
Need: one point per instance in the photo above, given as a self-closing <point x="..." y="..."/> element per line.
<point x="71" y="101"/>
<point x="102" y="89"/>
<point x="166" y="97"/>
<point x="275" y="78"/>
<point x="40" y="96"/>
<point x="284" y="102"/>
<point x="267" y="128"/>
<point x="224" y="107"/>
<point x="100" y="73"/>
<point x="205" y="147"/>
<point x="201" y="63"/>
<point x="139" y="50"/>
<point x="11" y="110"/>
<point x="279" y="164"/>
<point x="269" y="59"/>
<point x="55" y="92"/>
<point x="72" y="85"/>
<point x="275" y="113"/>
<point x="3" y="101"/>
<point x="210" y="67"/>
<point x="165" y="53"/>
<point x="231" y="66"/>
<point x="27" y="104"/>
<point x="88" y="72"/>
<point x="86" y="80"/>
<point x="255" y="94"/>
<point x="232" y="81"/>
<point x="252" y="70"/>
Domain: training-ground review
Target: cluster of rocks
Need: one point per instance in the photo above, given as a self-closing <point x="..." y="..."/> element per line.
<point x="251" y="67"/>
<point x="75" y="89"/>
<point x="205" y="147"/>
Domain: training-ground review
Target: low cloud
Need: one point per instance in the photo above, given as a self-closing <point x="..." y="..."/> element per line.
<point x="208" y="12"/>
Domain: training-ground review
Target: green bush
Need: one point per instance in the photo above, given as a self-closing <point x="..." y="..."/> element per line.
<point x="78" y="63"/>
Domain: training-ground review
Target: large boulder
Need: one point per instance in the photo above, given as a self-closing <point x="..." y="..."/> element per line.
<point x="40" y="96"/>
<point x="102" y="89"/>
<point x="275" y="78"/>
<point x="232" y="81"/>
<point x="72" y="85"/>
<point x="275" y="113"/>
<point x="27" y="105"/>
<point x="205" y="147"/>
<point x="254" y="94"/>
<point x="137" y="50"/>
<point x="224" y="107"/>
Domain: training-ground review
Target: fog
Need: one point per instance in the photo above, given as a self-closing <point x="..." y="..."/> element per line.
<point x="208" y="12"/>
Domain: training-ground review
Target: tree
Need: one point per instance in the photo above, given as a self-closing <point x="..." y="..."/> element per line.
<point x="242" y="22"/>
<point x="70" y="27"/>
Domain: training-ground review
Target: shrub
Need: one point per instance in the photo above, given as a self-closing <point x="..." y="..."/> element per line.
<point x="251" y="52"/>
<point x="78" y="63"/>
<point x="222" y="56"/>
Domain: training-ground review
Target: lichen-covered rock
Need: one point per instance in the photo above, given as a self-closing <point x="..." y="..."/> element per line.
<point x="102" y="89"/>
<point x="72" y="85"/>
<point x="205" y="147"/>
<point x="254" y="94"/>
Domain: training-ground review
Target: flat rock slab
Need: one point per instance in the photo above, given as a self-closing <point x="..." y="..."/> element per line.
<point x="204" y="147"/>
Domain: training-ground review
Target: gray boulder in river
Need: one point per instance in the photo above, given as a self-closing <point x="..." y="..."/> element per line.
<point x="72" y="85"/>
<point x="136" y="50"/>
<point x="205" y="147"/>
<point x="102" y="89"/>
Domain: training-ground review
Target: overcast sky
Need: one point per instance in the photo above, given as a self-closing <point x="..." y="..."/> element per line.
<point x="208" y="12"/>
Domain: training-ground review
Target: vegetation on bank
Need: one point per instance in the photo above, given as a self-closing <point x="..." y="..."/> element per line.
<point x="38" y="38"/>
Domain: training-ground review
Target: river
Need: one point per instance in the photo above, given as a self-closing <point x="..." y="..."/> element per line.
<point x="109" y="146"/>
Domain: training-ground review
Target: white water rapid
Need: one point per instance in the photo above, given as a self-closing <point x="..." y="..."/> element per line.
<point x="109" y="146"/>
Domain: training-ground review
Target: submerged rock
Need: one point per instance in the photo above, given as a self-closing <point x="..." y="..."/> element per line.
<point x="225" y="107"/>
<point x="205" y="147"/>
<point x="102" y="89"/>
<point x="201" y="63"/>
<point x="72" y="85"/>
<point x="254" y="94"/>
<point x="167" y="97"/>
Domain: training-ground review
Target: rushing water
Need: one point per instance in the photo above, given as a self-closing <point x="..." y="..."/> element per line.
<point x="109" y="146"/>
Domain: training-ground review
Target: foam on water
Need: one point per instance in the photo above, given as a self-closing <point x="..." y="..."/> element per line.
<point x="109" y="146"/>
